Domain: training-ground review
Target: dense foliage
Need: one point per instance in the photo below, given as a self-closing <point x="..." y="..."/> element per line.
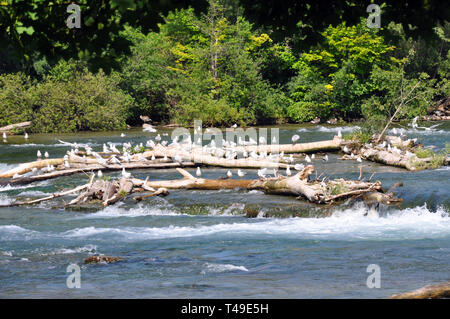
<point x="177" y="63"/>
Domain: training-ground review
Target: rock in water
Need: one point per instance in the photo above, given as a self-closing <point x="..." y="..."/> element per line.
<point x="101" y="259"/>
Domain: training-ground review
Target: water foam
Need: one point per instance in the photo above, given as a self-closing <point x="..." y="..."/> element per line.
<point x="332" y="129"/>
<point x="218" y="268"/>
<point x="354" y="223"/>
<point x="414" y="131"/>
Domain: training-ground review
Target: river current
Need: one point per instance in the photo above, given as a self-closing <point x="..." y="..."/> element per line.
<point x="200" y="244"/>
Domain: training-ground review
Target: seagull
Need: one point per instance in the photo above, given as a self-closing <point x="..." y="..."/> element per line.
<point x="240" y="173"/>
<point x="359" y="160"/>
<point x="346" y="149"/>
<point x="114" y="148"/>
<point x="100" y="174"/>
<point x="261" y="173"/>
<point x="288" y="171"/>
<point x="229" y="174"/>
<point x="122" y="135"/>
<point x="394" y="131"/>
<point x="105" y="149"/>
<point x="46" y="155"/>
<point x="339" y="134"/>
<point x="114" y="160"/>
<point x="295" y="138"/>
<point x="234" y="126"/>
<point x="313" y="156"/>
<point x="299" y="167"/>
<point x="198" y="172"/>
<point x="307" y="159"/>
<point x="66" y="164"/>
<point x="158" y="138"/>
<point x="125" y="174"/>
<point x="39" y="153"/>
<point x="274" y="140"/>
<point x="26" y="136"/>
<point x="153" y="157"/>
<point x="4" y="135"/>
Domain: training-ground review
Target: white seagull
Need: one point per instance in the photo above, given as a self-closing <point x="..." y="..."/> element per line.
<point x="288" y="171"/>
<point x="295" y="138"/>
<point x="125" y="173"/>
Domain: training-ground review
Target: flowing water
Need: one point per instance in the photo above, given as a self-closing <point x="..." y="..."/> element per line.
<point x="199" y="244"/>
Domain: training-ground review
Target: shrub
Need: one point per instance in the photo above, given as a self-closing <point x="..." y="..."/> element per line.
<point x="83" y="101"/>
<point x="15" y="99"/>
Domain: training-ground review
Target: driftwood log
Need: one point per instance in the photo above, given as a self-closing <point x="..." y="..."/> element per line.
<point x="10" y="127"/>
<point x="438" y="291"/>
<point x="399" y="155"/>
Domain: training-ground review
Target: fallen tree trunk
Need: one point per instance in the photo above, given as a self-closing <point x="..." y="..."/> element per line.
<point x="10" y="127"/>
<point x="53" y="196"/>
<point x="329" y="145"/>
<point x="84" y="168"/>
<point x="298" y="185"/>
<point x="399" y="155"/>
<point x="200" y="157"/>
<point x="28" y="167"/>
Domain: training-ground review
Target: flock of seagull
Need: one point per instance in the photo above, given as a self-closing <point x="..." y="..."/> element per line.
<point x="186" y="143"/>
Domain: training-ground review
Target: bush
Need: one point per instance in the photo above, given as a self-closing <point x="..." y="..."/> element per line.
<point x="69" y="99"/>
<point x="80" y="101"/>
<point x="15" y="99"/>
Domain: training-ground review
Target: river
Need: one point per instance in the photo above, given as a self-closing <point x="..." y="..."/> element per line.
<point x="199" y="244"/>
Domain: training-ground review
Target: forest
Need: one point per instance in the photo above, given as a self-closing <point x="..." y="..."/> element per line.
<point x="223" y="62"/>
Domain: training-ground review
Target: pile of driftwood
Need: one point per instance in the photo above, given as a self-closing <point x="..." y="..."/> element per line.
<point x="177" y="155"/>
<point x="300" y="185"/>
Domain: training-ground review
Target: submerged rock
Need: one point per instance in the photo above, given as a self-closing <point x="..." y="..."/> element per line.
<point x="101" y="259"/>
